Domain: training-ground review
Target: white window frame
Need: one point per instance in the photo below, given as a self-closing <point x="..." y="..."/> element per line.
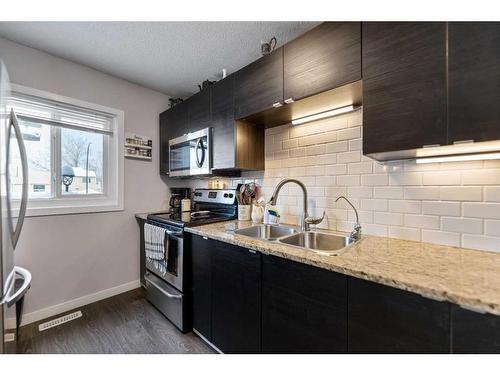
<point x="112" y="199"/>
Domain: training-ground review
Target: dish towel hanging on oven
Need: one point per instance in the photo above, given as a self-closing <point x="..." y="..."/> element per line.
<point x="154" y="246"/>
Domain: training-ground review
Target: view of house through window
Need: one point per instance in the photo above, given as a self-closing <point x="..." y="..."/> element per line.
<point x="82" y="158"/>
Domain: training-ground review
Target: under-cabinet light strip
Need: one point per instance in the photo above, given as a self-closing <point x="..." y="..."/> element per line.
<point x="444" y="159"/>
<point x="321" y="115"/>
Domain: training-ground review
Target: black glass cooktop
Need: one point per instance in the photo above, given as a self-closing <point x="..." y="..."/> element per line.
<point x="183" y="219"/>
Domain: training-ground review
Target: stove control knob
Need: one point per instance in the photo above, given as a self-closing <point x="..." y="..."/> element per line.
<point x="231" y="195"/>
<point x="226" y="195"/>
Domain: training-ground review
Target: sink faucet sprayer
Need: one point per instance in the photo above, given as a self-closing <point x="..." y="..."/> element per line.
<point x="306" y="219"/>
<point x="356" y="233"/>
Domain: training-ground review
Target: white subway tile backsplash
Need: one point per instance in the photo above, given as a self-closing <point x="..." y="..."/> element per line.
<point x="441" y="178"/>
<point x="355" y="144"/>
<point x="348" y="180"/>
<point x="441" y="208"/>
<point x="421" y="221"/>
<point x="389" y="192"/>
<point x="297" y="152"/>
<point x="420" y="193"/>
<point x="402" y="206"/>
<point x="360" y="192"/>
<point x="375" y="230"/>
<point x="316" y="150"/>
<point x="360" y="168"/>
<point x="441" y="238"/>
<point x="374" y="204"/>
<point x="487" y="243"/>
<point x="336" y="169"/>
<point x="482" y="177"/>
<point x="374" y="179"/>
<point x="349" y="157"/>
<point x="349" y="133"/>
<point x="492" y="228"/>
<point x="337" y="147"/>
<point x="461" y="193"/>
<point x="492" y="193"/>
<point x="410" y="178"/>
<point x="387" y="218"/>
<point x="325" y="180"/>
<point x="316" y="139"/>
<point x="456" y="203"/>
<point x="462" y="225"/>
<point x="482" y="210"/>
<point x="404" y="233"/>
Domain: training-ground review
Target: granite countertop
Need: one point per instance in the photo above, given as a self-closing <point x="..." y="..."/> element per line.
<point x="469" y="278"/>
<point x="142" y="216"/>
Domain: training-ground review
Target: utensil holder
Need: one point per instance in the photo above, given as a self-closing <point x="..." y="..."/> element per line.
<point x="244" y="212"/>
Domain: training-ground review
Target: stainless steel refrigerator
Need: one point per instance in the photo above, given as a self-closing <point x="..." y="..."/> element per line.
<point x="14" y="281"/>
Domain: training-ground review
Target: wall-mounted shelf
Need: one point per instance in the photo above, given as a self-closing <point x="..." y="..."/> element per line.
<point x="138" y="147"/>
<point x="139" y="157"/>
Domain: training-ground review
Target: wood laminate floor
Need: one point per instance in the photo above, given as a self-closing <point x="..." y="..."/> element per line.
<point x="126" y="323"/>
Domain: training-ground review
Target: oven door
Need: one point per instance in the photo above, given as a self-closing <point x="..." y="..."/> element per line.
<point x="171" y="268"/>
<point x="189" y="155"/>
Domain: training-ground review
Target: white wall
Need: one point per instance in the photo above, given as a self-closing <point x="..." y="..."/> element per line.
<point x="456" y="204"/>
<point x="76" y="255"/>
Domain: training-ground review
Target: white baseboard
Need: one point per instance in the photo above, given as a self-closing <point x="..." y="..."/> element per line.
<point x="75" y="303"/>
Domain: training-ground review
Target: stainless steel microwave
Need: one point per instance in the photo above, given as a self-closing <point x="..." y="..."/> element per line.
<point x="190" y="154"/>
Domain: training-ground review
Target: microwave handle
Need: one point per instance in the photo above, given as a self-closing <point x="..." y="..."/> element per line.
<point x="15" y="232"/>
<point x="199" y="145"/>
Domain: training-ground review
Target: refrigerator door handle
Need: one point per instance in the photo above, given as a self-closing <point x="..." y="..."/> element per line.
<point x="15" y="232"/>
<point x="19" y="293"/>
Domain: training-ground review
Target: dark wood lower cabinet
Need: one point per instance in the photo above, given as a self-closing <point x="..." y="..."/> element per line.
<point x="246" y="302"/>
<point x="474" y="333"/>
<point x="304" y="308"/>
<point x="389" y="320"/>
<point x="201" y="282"/>
<point x="236" y="305"/>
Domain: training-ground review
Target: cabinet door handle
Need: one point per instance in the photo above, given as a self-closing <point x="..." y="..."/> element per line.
<point x="252" y="251"/>
<point x="205" y="238"/>
<point x="277" y="105"/>
<point x="289" y="100"/>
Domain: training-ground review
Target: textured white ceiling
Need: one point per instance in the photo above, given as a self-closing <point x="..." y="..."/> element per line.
<point x="171" y="57"/>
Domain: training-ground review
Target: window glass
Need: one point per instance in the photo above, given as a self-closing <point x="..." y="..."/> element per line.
<point x="37" y="140"/>
<point x="82" y="162"/>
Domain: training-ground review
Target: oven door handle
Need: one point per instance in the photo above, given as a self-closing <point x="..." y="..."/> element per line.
<point x="169" y="295"/>
<point x="173" y="233"/>
<point x="199" y="145"/>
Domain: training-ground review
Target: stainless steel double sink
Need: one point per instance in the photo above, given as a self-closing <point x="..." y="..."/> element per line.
<point x="318" y="242"/>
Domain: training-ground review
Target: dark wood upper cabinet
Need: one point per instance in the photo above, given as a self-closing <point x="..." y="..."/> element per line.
<point x="404" y="85"/>
<point x="304" y="308"/>
<point x="173" y="123"/>
<point x="236" y="306"/>
<point x="326" y="57"/>
<point x="388" y="320"/>
<point x="474" y="333"/>
<point x="199" y="115"/>
<point x="474" y="81"/>
<point x="202" y="285"/>
<point x="224" y="136"/>
<point x="259" y="85"/>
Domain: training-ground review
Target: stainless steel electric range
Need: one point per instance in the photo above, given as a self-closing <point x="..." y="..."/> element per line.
<point x="167" y="278"/>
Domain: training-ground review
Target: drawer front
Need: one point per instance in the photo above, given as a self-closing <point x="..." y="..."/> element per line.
<point x="171" y="303"/>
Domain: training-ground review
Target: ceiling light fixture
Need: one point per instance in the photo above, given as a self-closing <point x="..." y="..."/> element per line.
<point x="321" y="115"/>
<point x="444" y="159"/>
